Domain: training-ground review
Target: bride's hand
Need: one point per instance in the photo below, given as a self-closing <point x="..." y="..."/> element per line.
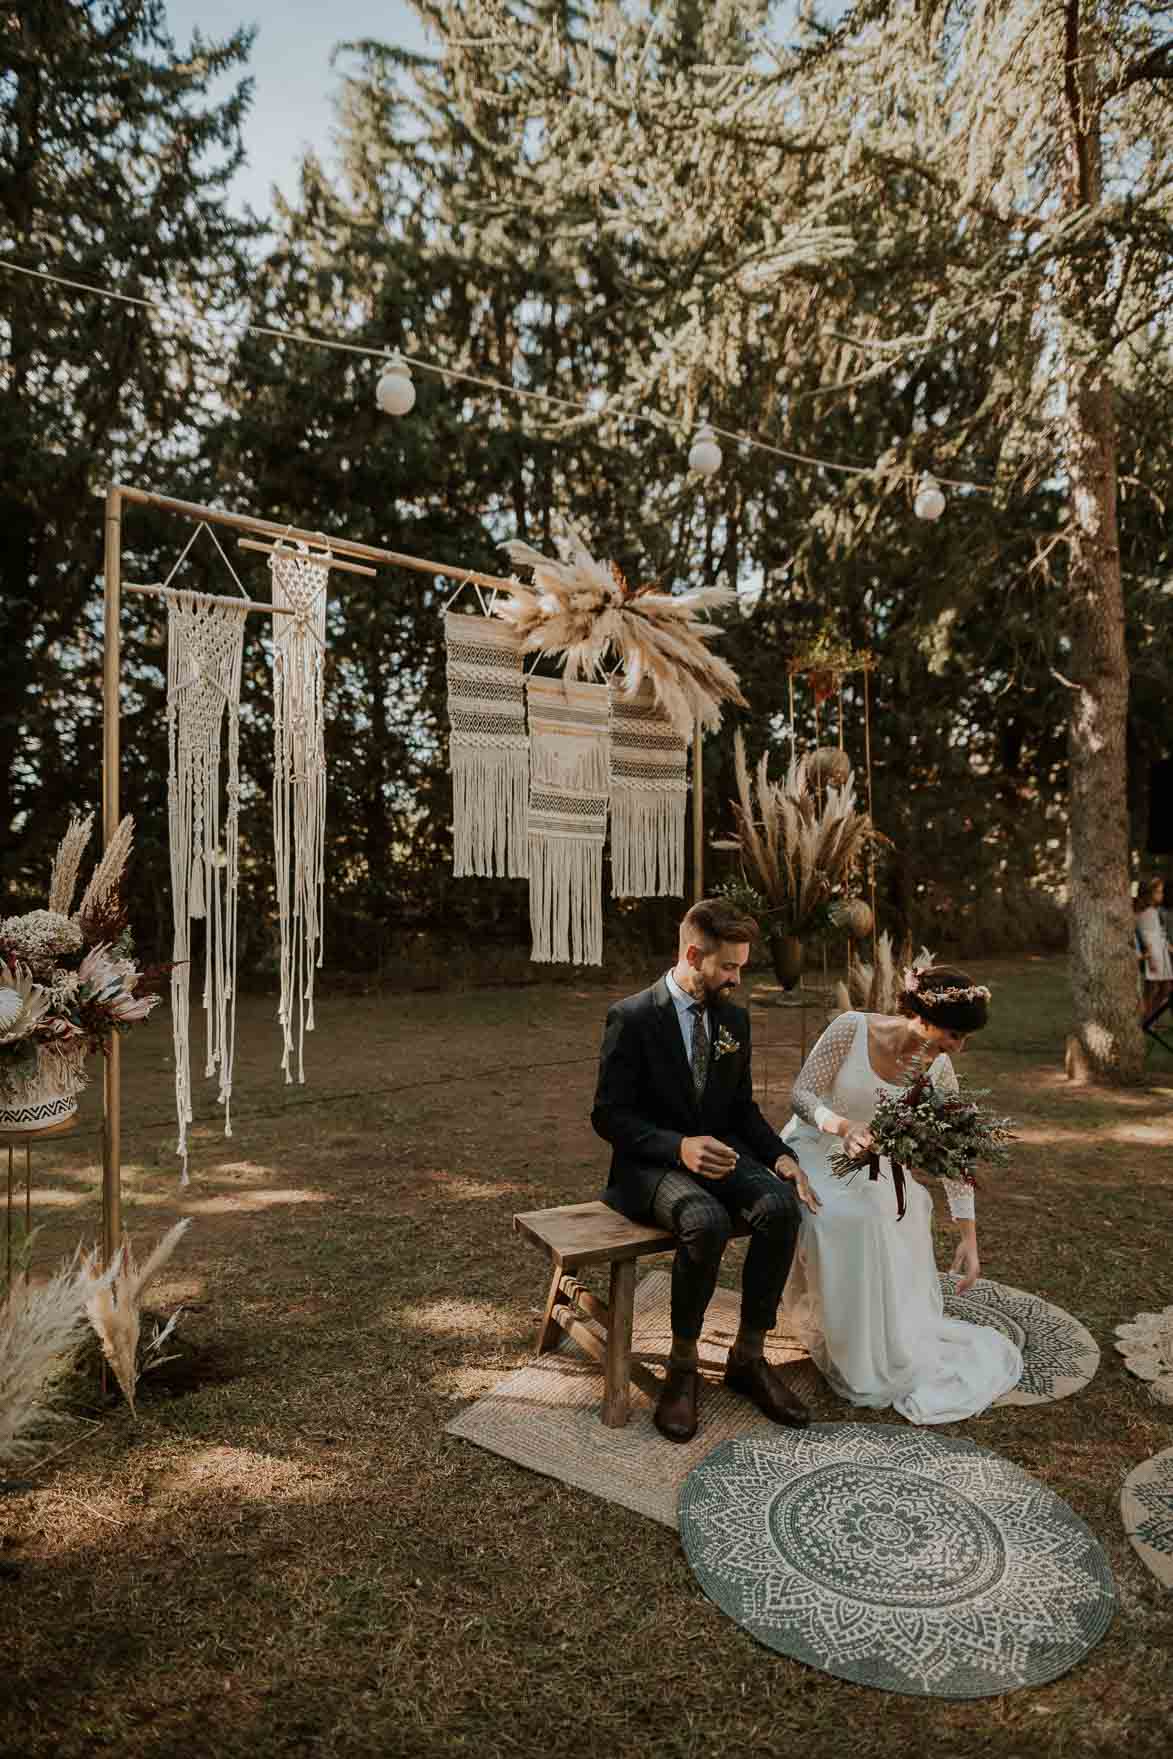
<point x="966" y="1263"/>
<point x="857" y="1140"/>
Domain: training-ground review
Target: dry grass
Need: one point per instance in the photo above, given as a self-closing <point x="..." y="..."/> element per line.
<point x="292" y="1558"/>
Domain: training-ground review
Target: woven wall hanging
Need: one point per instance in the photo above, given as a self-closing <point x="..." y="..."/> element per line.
<point x="489" y="747"/>
<point x="569" y="741"/>
<point x="300" y="580"/>
<point x="205" y="641"/>
<point x="649" y="784"/>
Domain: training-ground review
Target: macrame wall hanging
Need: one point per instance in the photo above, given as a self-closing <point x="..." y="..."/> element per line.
<point x="205" y="641"/>
<point x="490" y="751"/>
<point x="649" y="784"/>
<point x="300" y="581"/>
<point x="569" y="724"/>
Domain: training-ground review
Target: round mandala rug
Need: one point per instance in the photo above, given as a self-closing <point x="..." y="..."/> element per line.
<point x="1146" y="1507"/>
<point x="1059" y="1355"/>
<point x="896" y="1558"/>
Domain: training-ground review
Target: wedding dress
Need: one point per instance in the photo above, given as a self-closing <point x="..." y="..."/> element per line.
<point x="863" y="1294"/>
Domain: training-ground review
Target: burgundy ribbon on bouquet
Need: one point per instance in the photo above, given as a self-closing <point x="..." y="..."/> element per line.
<point x="897" y="1181"/>
<point x="912" y="1098"/>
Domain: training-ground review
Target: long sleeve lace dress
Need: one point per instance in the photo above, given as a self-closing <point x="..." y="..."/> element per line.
<point x="864" y="1295"/>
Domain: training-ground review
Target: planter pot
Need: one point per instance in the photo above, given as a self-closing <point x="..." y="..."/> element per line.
<point x="829" y="767"/>
<point x="787" y="955"/>
<point x="853" y="915"/>
<point x="46" y="1096"/>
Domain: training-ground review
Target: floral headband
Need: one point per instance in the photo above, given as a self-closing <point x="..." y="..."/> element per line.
<point x="930" y="996"/>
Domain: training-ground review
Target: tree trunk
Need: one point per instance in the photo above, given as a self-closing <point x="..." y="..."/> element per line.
<point x="1103" y="969"/>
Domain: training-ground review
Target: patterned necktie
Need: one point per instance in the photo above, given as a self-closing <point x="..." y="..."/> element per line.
<point x="700" y="1048"/>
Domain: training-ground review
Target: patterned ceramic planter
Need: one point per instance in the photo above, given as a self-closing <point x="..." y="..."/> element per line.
<point x="46" y="1096"/>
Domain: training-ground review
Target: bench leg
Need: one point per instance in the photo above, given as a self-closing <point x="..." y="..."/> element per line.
<point x="617" y="1396"/>
<point x="549" y="1332"/>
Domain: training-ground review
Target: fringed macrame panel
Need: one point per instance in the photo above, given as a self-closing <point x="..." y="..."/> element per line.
<point x="205" y="641"/>
<point x="489" y="748"/>
<point x="299" y="788"/>
<point x="649" y="785"/>
<point x="569" y="725"/>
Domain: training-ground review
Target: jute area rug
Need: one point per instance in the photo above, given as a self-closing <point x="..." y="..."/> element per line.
<point x="896" y="1558"/>
<point x="546" y="1416"/>
<point x="1146" y="1508"/>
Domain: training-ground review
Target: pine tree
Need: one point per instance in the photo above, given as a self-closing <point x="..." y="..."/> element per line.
<point x="114" y="161"/>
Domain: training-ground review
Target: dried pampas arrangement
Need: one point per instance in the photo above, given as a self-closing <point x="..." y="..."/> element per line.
<point x="875" y="989"/>
<point x="580" y="610"/>
<point x="114" y="1304"/>
<point x="799" y="845"/>
<point x="41" y="1329"/>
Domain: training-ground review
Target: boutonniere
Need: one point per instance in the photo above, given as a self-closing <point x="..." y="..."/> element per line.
<point x="725" y="1043"/>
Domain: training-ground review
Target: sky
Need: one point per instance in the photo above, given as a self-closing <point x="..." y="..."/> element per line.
<point x="290" y="66"/>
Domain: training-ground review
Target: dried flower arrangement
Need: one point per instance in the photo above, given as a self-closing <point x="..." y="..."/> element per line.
<point x="876" y="988"/>
<point x="68" y="982"/>
<point x="799" y="845"/>
<point x="581" y="609"/>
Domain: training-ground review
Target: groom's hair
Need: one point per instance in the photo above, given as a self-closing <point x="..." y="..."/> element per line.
<point x="714" y="920"/>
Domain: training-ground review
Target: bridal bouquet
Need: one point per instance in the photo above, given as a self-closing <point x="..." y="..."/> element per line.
<point x="940" y="1134"/>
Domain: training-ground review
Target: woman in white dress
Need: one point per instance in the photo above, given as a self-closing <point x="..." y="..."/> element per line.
<point x="863" y="1294"/>
<point x="1152" y="945"/>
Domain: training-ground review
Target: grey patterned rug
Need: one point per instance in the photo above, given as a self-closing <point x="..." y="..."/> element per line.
<point x="1146" y="1508"/>
<point x="896" y="1558"/>
<point x="1059" y="1354"/>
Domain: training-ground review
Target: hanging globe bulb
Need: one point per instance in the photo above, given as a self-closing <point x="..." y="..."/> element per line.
<point x="930" y="501"/>
<point x="705" y="455"/>
<point x="395" y="392"/>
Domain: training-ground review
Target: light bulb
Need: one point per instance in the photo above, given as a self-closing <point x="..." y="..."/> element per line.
<point x="705" y="455"/>
<point x="930" y="502"/>
<point x="395" y="392"/>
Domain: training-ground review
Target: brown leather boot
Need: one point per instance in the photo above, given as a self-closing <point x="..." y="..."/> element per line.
<point x="757" y="1380"/>
<point x="675" y="1416"/>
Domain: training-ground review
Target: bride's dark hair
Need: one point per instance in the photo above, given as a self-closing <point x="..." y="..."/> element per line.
<point x="945" y="997"/>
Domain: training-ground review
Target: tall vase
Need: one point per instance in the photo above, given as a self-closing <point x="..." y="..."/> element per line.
<point x="46" y="1095"/>
<point x="787" y="955"/>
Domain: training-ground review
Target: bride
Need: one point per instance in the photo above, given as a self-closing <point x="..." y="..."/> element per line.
<point x="863" y="1294"/>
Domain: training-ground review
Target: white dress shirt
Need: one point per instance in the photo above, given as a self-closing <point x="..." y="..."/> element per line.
<point x="684" y="1005"/>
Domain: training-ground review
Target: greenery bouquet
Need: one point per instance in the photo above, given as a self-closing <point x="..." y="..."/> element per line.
<point x="940" y="1134"/>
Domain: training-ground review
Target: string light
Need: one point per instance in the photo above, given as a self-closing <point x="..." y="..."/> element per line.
<point x="395" y="391"/>
<point x="930" y="502"/>
<point x="705" y="455"/>
<point x="401" y="399"/>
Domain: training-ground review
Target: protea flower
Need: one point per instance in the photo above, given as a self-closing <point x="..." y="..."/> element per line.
<point x="22" y="1003"/>
<point x="111" y="983"/>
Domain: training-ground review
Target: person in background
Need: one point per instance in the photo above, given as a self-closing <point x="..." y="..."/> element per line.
<point x="1156" y="962"/>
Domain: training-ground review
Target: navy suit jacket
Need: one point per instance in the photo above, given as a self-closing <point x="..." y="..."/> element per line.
<point x="645" y="1101"/>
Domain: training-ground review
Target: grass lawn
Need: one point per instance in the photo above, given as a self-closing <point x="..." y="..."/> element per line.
<point x="289" y="1556"/>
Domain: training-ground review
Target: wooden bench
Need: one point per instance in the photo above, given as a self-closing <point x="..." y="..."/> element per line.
<point x="574" y="1236"/>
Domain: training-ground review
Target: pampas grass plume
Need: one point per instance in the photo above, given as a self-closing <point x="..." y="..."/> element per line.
<point x="63" y="878"/>
<point x="114" y="1302"/>
<point x="41" y="1329"/>
<point x="107" y="876"/>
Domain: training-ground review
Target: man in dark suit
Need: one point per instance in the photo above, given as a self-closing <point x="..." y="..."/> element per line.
<point x="691" y="1151"/>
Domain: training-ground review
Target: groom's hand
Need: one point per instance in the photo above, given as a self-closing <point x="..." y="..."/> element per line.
<point x="787" y="1168"/>
<point x="706" y="1156"/>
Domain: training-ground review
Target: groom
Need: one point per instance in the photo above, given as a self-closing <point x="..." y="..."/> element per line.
<point x="692" y="1153"/>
